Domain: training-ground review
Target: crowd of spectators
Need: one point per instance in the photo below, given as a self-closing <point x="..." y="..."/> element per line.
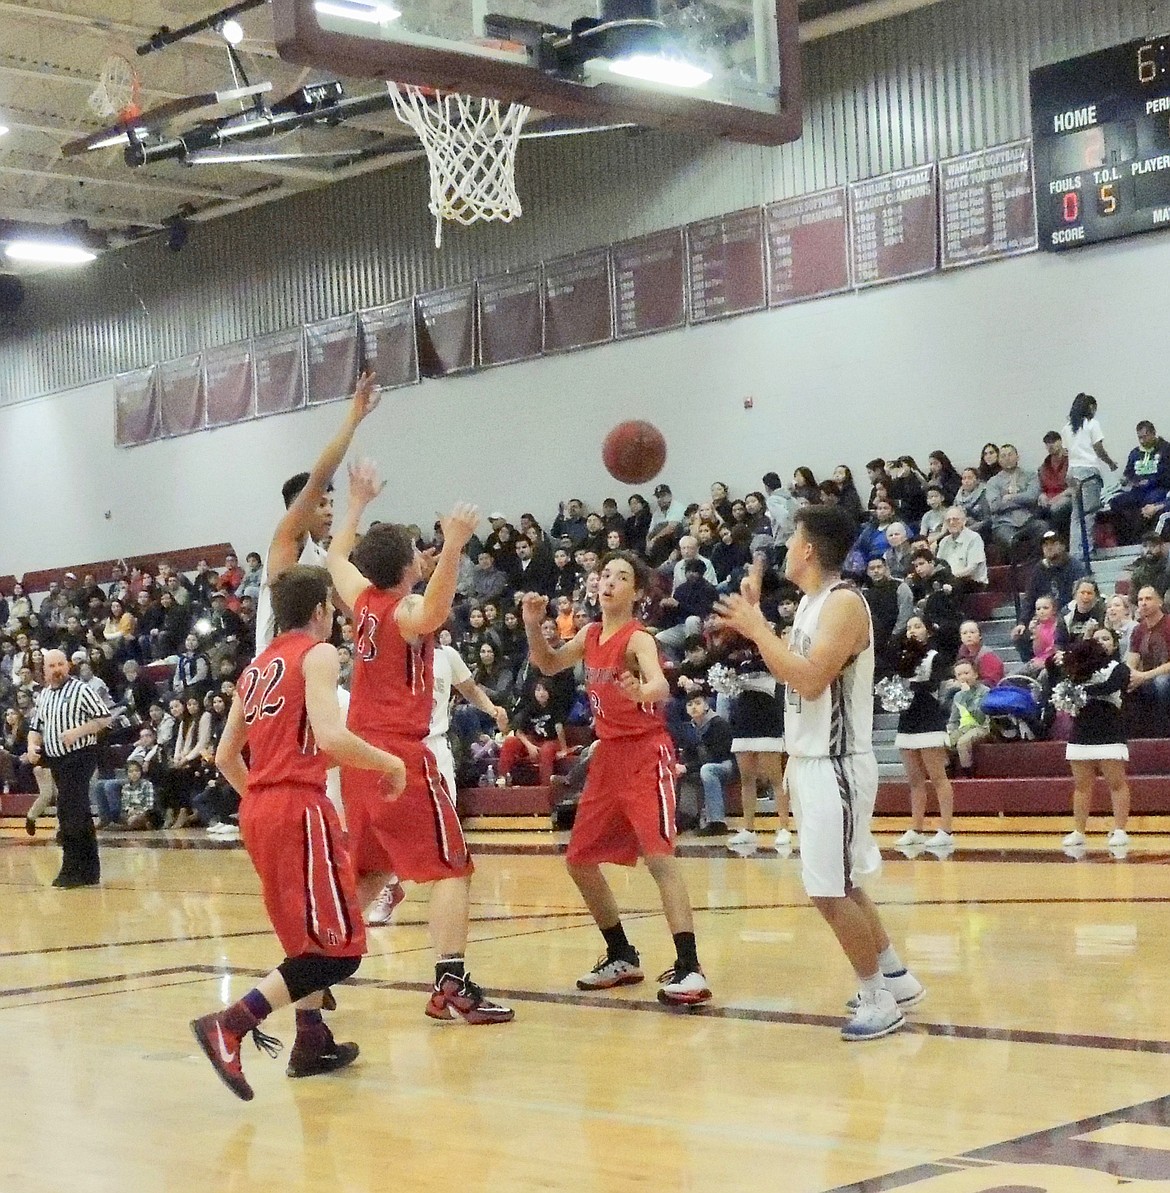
<point x="924" y="538"/>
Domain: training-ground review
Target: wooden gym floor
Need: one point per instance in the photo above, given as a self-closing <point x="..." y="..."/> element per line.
<point x="1040" y="1062"/>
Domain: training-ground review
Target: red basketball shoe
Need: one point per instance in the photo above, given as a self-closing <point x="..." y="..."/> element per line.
<point x="461" y="998"/>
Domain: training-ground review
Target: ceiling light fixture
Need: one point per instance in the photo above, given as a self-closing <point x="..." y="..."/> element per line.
<point x="232" y="32"/>
<point x="49" y="252"/>
<point x="370" y="12"/>
<point x="3" y="129"/>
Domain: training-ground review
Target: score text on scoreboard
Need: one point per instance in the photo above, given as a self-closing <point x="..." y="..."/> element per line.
<point x="1101" y="140"/>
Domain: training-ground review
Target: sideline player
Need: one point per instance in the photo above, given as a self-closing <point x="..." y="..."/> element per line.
<point x="627" y="806"/>
<point x="827" y="665"/>
<point x="286" y="711"/>
<point x="450" y="672"/>
<point x="420" y="838"/>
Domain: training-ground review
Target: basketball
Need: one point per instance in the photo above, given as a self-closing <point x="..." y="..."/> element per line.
<point x="634" y="452"/>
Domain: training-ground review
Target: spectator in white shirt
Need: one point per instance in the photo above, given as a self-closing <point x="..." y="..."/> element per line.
<point x="962" y="550"/>
<point x="1085" y="441"/>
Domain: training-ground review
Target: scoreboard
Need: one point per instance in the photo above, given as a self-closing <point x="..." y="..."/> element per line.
<point x="1101" y="140"/>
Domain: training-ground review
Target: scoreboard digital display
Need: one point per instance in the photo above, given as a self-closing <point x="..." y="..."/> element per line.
<point x="1101" y="141"/>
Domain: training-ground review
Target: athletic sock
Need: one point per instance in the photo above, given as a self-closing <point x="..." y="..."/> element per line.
<point x="242" y="1016"/>
<point x="687" y="958"/>
<point x="871" y="987"/>
<point x="617" y="946"/>
<point x="449" y="967"/>
<point x="889" y="961"/>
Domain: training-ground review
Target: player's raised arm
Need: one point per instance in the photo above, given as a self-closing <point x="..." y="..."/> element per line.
<point x="843" y="632"/>
<point x="428" y="614"/>
<point x="364" y="486"/>
<point x="320" y="668"/>
<point x="298" y="519"/>
<point x="544" y="658"/>
<point x="229" y="754"/>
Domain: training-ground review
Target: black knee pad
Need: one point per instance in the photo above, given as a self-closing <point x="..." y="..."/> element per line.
<point x="311" y="972"/>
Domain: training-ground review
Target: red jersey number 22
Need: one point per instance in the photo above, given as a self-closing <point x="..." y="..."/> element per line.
<point x="260" y="699"/>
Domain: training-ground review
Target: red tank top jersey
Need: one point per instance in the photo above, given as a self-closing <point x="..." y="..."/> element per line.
<point x="393" y="681"/>
<point x="614" y="713"/>
<point x="282" y="752"/>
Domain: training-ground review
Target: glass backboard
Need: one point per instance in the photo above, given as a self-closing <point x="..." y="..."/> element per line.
<point x="722" y="67"/>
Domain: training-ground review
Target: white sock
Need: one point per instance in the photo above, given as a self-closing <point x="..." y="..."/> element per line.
<point x="890" y="962"/>
<point x="870" y="987"/>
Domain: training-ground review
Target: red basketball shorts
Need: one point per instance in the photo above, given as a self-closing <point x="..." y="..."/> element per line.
<point x="627" y="806"/>
<point x="294" y="838"/>
<point x="416" y="836"/>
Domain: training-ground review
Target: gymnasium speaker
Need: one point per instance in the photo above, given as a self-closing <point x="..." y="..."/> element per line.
<point x="11" y="296"/>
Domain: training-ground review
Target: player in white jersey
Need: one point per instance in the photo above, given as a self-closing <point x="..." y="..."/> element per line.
<point x="826" y="662"/>
<point x="450" y="672"/>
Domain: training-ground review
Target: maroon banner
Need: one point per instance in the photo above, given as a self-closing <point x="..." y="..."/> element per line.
<point x="508" y="311"/>
<point x="808" y="246"/>
<point x="229" y="384"/>
<point x="725" y="265"/>
<point x="894" y="225"/>
<point x="578" y="302"/>
<point x="180" y="395"/>
<point x="280" y="372"/>
<point x="446" y="331"/>
<point x="136" y="400"/>
<point x="987" y="205"/>
<point x="331" y="359"/>
<point x="389" y="343"/>
<point x="649" y="284"/>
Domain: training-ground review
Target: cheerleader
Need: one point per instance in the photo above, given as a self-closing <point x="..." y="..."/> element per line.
<point x="1097" y="743"/>
<point x="757" y="727"/>
<point x="922" y="736"/>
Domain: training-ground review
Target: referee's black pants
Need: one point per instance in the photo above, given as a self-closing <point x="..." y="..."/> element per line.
<point x="72" y="772"/>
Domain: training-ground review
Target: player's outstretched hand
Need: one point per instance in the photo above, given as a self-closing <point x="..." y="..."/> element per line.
<point x="394" y="780"/>
<point x="427" y="560"/>
<point x="631" y="686"/>
<point x="501" y="716"/>
<point x="459" y="525"/>
<point x="533" y="608"/>
<point x="752" y="583"/>
<point x="364" y="484"/>
<point x="737" y="613"/>
<point x="366" y="397"/>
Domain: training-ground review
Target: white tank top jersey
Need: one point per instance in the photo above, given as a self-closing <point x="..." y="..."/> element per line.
<point x="450" y="669"/>
<point x="840" y="720"/>
<point x="313" y="554"/>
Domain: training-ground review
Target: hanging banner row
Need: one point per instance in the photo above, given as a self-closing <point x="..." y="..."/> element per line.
<point x="968" y="209"/>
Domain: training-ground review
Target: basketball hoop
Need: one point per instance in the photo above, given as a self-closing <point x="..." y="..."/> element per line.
<point x="117" y="95"/>
<point x="471" y="147"/>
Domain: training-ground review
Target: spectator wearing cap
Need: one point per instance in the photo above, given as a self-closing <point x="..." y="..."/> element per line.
<point x="497" y="520"/>
<point x="1055" y="500"/>
<point x="611" y="517"/>
<point x="667" y="521"/>
<point x="570" y="521"/>
<point x="1151" y="569"/>
<point x="1055" y="576"/>
<point x="962" y="550"/>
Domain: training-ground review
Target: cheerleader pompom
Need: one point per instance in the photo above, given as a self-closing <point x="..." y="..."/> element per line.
<point x="1069" y="697"/>
<point x="724" y="680"/>
<point x="894" y="693"/>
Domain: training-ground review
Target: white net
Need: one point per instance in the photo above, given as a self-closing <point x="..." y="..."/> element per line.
<point x="471" y="146"/>
<point x="117" y="89"/>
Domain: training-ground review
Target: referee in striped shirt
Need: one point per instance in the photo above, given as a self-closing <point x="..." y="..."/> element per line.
<point x="63" y="730"/>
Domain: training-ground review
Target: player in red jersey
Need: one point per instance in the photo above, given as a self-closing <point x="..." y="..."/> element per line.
<point x="391" y="698"/>
<point x="627" y="806"/>
<point x="287" y="713"/>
